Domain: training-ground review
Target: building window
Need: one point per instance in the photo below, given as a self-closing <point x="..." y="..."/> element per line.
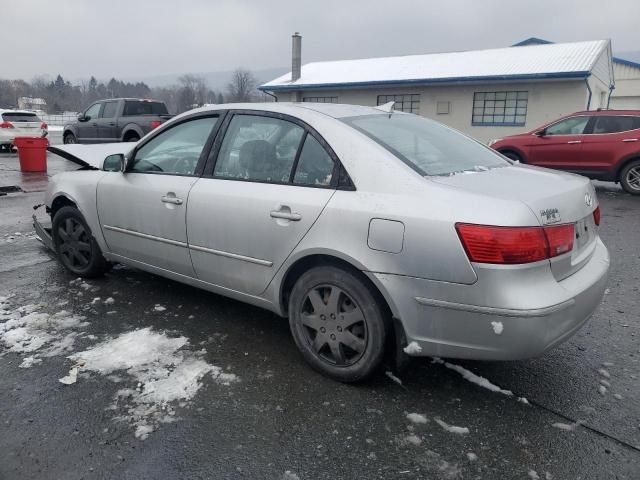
<point x="404" y="103"/>
<point x="320" y="99"/>
<point x="500" y="108"/>
<point x="442" y="108"/>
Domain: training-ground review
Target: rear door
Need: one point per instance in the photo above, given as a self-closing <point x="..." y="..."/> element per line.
<point x="561" y="145"/>
<point x="143" y="211"/>
<point x="107" y="127"/>
<point x="271" y="180"/>
<point x="88" y="128"/>
<point x="612" y="138"/>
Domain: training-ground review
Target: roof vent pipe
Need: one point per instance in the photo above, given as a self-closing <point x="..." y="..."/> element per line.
<point x="296" y="56"/>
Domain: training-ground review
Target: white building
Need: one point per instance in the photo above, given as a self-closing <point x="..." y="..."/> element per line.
<point x="626" y="96"/>
<point x="484" y="93"/>
<point x="31" y="103"/>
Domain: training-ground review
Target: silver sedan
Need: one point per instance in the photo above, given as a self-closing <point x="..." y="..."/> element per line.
<point x="375" y="232"/>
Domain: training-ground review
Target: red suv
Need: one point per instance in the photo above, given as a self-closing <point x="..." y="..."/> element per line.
<point x="602" y="144"/>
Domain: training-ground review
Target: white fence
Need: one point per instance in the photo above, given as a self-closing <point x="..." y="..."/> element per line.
<point x="58" y="119"/>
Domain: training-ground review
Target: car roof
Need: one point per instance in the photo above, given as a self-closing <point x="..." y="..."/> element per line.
<point x="335" y="110"/>
<point x="605" y="111"/>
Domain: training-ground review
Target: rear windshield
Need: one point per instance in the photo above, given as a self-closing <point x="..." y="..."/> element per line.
<point x="428" y="147"/>
<point x="20" y="117"/>
<point x="144" y="107"/>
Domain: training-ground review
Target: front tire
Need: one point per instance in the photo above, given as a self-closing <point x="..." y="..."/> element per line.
<point x="77" y="250"/>
<point x="337" y="323"/>
<point x="69" y="138"/>
<point x="630" y="177"/>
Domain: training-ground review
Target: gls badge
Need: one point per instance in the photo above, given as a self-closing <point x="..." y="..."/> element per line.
<point x="550" y="215"/>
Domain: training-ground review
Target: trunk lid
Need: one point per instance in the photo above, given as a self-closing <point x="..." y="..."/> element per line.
<point x="554" y="198"/>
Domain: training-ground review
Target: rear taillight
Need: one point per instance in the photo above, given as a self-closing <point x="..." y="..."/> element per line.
<point x="6" y="125"/>
<point x="514" y="245"/>
<point x="155" y="124"/>
<point x="596" y="215"/>
<point x="44" y="126"/>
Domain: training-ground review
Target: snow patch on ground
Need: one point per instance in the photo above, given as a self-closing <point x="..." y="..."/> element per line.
<point x="289" y="475"/>
<point x="498" y="327"/>
<point x="452" y="428"/>
<point x="417" y="418"/>
<point x="472" y="457"/>
<point x="165" y="375"/>
<point x="393" y="377"/>
<point x="413" y="349"/>
<point x="567" y="427"/>
<point x="159" y="308"/>
<point x="533" y="475"/>
<point x="413" y="439"/>
<point x="27" y="330"/>
<point x="473" y="378"/>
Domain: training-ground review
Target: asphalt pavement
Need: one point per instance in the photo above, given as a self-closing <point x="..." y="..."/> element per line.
<point x="276" y="418"/>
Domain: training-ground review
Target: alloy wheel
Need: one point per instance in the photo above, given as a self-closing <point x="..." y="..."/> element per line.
<point x="633" y="178"/>
<point x="74" y="244"/>
<point x="334" y="325"/>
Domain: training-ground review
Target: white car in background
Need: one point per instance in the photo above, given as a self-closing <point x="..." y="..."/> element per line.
<point x="20" y="123"/>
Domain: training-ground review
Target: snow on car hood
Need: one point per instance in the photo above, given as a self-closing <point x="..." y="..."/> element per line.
<point x="90" y="156"/>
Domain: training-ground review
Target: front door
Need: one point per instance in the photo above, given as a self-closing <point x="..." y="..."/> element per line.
<point x="143" y="211"/>
<point x="107" y="127"/>
<point x="561" y="144"/>
<point x="270" y="183"/>
<point x="88" y="129"/>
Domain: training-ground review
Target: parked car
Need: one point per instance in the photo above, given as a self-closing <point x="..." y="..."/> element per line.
<point x="116" y="120"/>
<point x="371" y="230"/>
<point x="602" y="144"/>
<point x="16" y="123"/>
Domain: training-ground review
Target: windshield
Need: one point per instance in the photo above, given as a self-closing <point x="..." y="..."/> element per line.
<point x="426" y="146"/>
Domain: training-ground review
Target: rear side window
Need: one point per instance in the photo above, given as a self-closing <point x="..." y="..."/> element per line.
<point x="258" y="148"/>
<point x="143" y="107"/>
<point x="315" y="166"/>
<point x="568" y="126"/>
<point x="109" y="110"/>
<point x="614" y="124"/>
<point x="20" y="117"/>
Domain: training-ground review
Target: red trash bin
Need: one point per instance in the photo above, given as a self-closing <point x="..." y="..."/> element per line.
<point x="32" y="152"/>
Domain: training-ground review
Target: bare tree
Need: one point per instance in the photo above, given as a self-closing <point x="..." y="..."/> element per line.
<point x="242" y="87"/>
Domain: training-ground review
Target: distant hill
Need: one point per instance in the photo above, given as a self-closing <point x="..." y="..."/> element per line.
<point x="217" y="80"/>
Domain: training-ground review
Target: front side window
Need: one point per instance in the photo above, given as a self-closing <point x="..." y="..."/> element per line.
<point x="176" y="150"/>
<point x="258" y="148"/>
<point x="403" y="103"/>
<point x="109" y="110"/>
<point x="568" y="126"/>
<point x="615" y="124"/>
<point x="93" y="111"/>
<point x="315" y="166"/>
<point x="508" y="108"/>
<point x="428" y="147"/>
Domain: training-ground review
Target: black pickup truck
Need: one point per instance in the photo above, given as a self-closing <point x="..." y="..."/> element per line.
<point x="116" y="120"/>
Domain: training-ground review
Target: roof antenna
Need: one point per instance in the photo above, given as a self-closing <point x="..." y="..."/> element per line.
<point x="386" y="108"/>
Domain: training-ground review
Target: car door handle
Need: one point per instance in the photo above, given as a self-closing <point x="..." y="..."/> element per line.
<point x="630" y="140"/>
<point x="173" y="200"/>
<point x="574" y="142"/>
<point x="94" y="124"/>
<point x="286" y="215"/>
<point x="112" y="124"/>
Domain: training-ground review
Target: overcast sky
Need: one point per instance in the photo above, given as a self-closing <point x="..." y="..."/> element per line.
<point x="131" y="38"/>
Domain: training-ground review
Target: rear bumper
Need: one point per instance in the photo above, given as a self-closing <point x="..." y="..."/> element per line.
<point x="44" y="234"/>
<point x="535" y="314"/>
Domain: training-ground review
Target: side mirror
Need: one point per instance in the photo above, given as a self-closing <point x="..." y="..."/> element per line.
<point x="82" y="117"/>
<point x="541" y="133"/>
<point x="114" y="163"/>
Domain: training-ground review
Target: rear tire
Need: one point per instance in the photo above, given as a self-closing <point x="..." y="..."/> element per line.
<point x="630" y="177"/>
<point x="337" y="323"/>
<point x="69" y="138"/>
<point x="77" y="250"/>
<point x="131" y="137"/>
